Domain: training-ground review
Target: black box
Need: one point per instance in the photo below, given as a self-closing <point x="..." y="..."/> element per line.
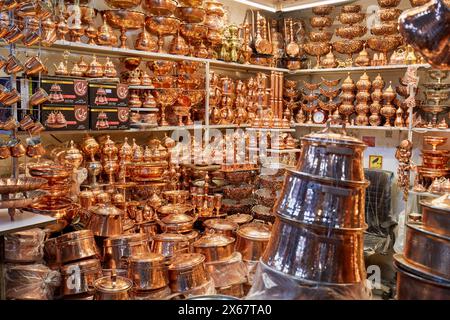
<point x="75" y="117"/>
<point x="108" y="95"/>
<point x="65" y="91"/>
<point x="111" y="118"/>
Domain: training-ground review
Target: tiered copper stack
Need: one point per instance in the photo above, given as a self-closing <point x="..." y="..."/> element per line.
<point x="316" y="247"/>
<point x="435" y="161"/>
<point x="437" y="95"/>
<point x="423" y="268"/>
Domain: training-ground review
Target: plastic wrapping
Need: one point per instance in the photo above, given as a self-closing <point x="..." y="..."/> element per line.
<point x="31" y="282"/>
<point x="251" y="270"/>
<point x="269" y="284"/>
<point x="205" y="289"/>
<point x="158" y="294"/>
<point x="25" y="246"/>
<point x="228" y="272"/>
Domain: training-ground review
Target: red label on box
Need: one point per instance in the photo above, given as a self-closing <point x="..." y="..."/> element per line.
<point x="370" y="141"/>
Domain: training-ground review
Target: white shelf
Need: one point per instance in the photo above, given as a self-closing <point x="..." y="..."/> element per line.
<point x="426" y="130"/>
<point x="272" y="129"/>
<point x="393" y="67"/>
<point x="144" y="109"/>
<point x="425" y="194"/>
<point x="136" y="87"/>
<point x="320" y="125"/>
<point x="22" y="221"/>
<point x="283" y="150"/>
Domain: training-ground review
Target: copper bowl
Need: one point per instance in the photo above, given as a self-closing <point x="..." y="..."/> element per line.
<point x="163" y="25"/>
<point x="123" y="4"/>
<point x="190" y="14"/>
<point x="320" y="36"/>
<point x="350" y="32"/>
<point x="191" y="3"/>
<point x="383" y="44"/>
<point x="271" y="182"/>
<point x="321" y="22"/>
<point x="146" y="171"/>
<point x="348" y="46"/>
<point x="53" y="173"/>
<point x="388" y="3"/>
<point x="390" y="14"/>
<point x="161" y="68"/>
<point x="263" y="213"/>
<point x="160" y="7"/>
<point x="322" y="10"/>
<point x="193" y="30"/>
<point x="266" y="197"/>
<point x="232" y="206"/>
<point x="238" y="177"/>
<point x="351" y="8"/>
<point x="316" y="48"/>
<point x="124" y="19"/>
<point x="351" y="18"/>
<point x="384" y="29"/>
<point x="417" y="3"/>
<point x="243" y="191"/>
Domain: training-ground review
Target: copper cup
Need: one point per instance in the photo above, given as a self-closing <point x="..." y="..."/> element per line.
<point x="18" y="149"/>
<point x="5" y="153"/>
<point x="35" y="151"/>
<point x="31" y="38"/>
<point x="3" y="62"/>
<point x="11" y="97"/>
<point x="13" y="34"/>
<point x="26" y="123"/>
<point x="40" y="96"/>
<point x="37" y="128"/>
<point x="33" y="66"/>
<point x="10" y="124"/>
<point x="13" y="65"/>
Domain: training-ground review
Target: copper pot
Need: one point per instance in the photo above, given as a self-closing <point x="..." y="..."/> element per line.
<point x="299" y="251"/>
<point x="148" y="272"/>
<point x="118" y="249"/>
<point x="223" y="226"/>
<point x="106" y="220"/>
<point x="169" y="244"/>
<point x="187" y="271"/>
<point x="112" y="288"/>
<point x="177" y="222"/>
<point x="435" y="215"/>
<point x="215" y="247"/>
<point x="252" y="240"/>
<point x="75" y="245"/>
<point x="79" y="277"/>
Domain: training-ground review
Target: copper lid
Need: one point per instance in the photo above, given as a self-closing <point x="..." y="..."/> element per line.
<point x="240" y="218"/>
<point x="107" y="209"/>
<point x="108" y="285"/>
<point x="329" y="137"/>
<point x="83" y="266"/>
<point x="169" y="237"/>
<point x="213" y="240"/>
<point x="220" y="224"/>
<point x="186" y="261"/>
<point x="177" y="218"/>
<point x="255" y="231"/>
<point x="151" y="258"/>
<point x="125" y="239"/>
<point x="75" y="235"/>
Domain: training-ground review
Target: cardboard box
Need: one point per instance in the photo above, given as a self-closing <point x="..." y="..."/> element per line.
<point x="109" y="118"/>
<point x="66" y="91"/>
<point x="108" y="95"/>
<point x="75" y="117"/>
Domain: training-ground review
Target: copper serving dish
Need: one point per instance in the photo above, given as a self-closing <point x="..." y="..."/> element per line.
<point x="321" y="22"/>
<point x="320" y="36"/>
<point x="351" y="18"/>
<point x="389" y="14"/>
<point x="118" y="249"/>
<point x="163" y="25"/>
<point x="148" y="271"/>
<point x="215" y="247"/>
<point x="124" y="19"/>
<point x="415" y="284"/>
<point x="190" y="14"/>
<point x="351" y="8"/>
<point x="214" y="8"/>
<point x="388" y="3"/>
<point x="83" y="274"/>
<point x="322" y="10"/>
<point x="146" y="171"/>
<point x="226" y="273"/>
<point x="14" y="185"/>
<point x="350" y="32"/>
<point x="348" y="46"/>
<point x="435" y="215"/>
<point x="384" y="29"/>
<point x="252" y="240"/>
<point x="123" y="4"/>
<point x="296" y="249"/>
<point x="160" y="7"/>
<point x="75" y="245"/>
<point x="427" y="250"/>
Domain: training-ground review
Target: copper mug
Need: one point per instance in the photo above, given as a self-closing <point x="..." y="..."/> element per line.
<point x="36" y="128"/>
<point x="31" y="38"/>
<point x="10" y="124"/>
<point x="5" y="153"/>
<point x="33" y="65"/>
<point x="40" y="96"/>
<point x="3" y="92"/>
<point x="3" y="62"/>
<point x="35" y="151"/>
<point x="13" y="65"/>
<point x="13" y="34"/>
<point x="11" y="97"/>
<point x="26" y="123"/>
<point x="17" y="149"/>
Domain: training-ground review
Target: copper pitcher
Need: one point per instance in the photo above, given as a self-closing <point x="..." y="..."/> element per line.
<point x="31" y="38"/>
<point x="13" y="65"/>
<point x="12" y="97"/>
<point x="33" y="66"/>
<point x="13" y="34"/>
<point x="17" y="149"/>
<point x="39" y="97"/>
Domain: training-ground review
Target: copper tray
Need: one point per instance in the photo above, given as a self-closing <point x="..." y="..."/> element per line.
<point x="14" y="185"/>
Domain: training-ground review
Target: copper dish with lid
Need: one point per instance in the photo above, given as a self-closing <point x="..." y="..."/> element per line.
<point x="252" y="240"/>
<point x="240" y="218"/>
<point x="177" y="222"/>
<point x="79" y="277"/>
<point x="169" y="244"/>
<point x="118" y="249"/>
<point x="112" y="288"/>
<point x="148" y="271"/>
<point x="215" y="247"/>
<point x="223" y="226"/>
<point x="187" y="271"/>
<point x="75" y="246"/>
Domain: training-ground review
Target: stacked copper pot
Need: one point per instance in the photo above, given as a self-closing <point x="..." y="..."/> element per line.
<point x="316" y="246"/>
<point x="423" y="268"/>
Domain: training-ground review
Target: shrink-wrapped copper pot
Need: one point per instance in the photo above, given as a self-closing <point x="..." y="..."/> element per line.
<point x="78" y="277"/>
<point x="25" y="246"/>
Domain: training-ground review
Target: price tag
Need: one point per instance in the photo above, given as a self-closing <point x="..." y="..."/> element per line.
<point x="375" y="162"/>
